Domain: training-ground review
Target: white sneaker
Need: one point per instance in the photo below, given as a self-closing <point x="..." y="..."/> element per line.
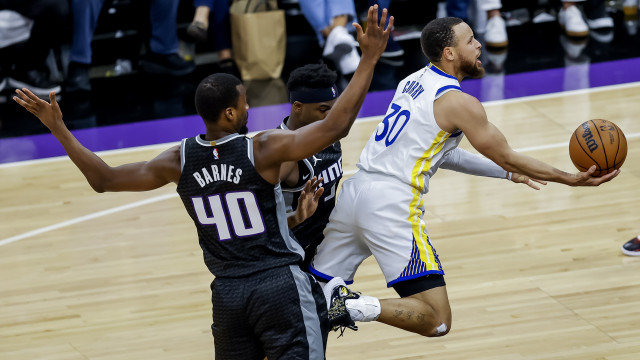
<point x="572" y="22"/>
<point x="600" y="23"/>
<point x="496" y="32"/>
<point x="349" y="62"/>
<point x="334" y="283"/>
<point x="364" y="308"/>
<point x="338" y="44"/>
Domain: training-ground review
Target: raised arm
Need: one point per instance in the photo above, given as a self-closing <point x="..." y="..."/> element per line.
<point x="141" y="176"/>
<point x="457" y="110"/>
<point x="273" y="147"/>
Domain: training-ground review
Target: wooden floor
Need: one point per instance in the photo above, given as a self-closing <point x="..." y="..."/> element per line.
<point x="530" y="275"/>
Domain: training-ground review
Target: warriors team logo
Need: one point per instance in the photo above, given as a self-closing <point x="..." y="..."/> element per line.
<point x="215" y="154"/>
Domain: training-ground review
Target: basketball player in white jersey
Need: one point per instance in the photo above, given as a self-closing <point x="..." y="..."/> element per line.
<point x="380" y="210"/>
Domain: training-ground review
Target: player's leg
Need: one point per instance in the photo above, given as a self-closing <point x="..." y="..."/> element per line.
<point x="427" y="313"/>
<point x="287" y="312"/>
<point x="233" y="336"/>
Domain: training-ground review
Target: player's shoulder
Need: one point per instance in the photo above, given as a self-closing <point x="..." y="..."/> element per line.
<point x="459" y="100"/>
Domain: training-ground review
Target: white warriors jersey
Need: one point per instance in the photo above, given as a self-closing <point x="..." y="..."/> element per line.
<point x="408" y="144"/>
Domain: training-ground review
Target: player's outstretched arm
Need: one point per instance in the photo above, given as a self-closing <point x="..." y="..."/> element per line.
<point x="456" y="110"/>
<point x="275" y="146"/>
<point x="307" y="202"/>
<point x="140" y="176"/>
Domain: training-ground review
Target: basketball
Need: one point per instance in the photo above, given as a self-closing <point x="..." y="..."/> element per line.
<point x="598" y="142"/>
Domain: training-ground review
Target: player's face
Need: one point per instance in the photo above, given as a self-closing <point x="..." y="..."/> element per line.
<point x="242" y="111"/>
<point x="468" y="50"/>
<point x="316" y="111"/>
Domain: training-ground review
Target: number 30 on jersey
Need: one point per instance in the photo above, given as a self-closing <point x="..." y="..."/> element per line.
<point x="389" y="132"/>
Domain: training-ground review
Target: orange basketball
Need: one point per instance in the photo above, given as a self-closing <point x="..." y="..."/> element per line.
<point x="598" y="142"/>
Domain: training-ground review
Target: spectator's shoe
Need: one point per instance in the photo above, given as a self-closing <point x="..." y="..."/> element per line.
<point x="169" y="64"/>
<point x="496" y="32"/>
<point x="229" y="66"/>
<point x="632" y="247"/>
<point x="339" y="43"/>
<point x="198" y="31"/>
<point x="35" y="80"/>
<point x="349" y="62"/>
<point x="604" y="22"/>
<point x="393" y="49"/>
<point x="336" y="293"/>
<point x="78" y="78"/>
<point x="572" y="22"/>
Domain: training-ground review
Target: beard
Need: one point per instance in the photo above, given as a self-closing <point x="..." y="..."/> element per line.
<point x="472" y="68"/>
<point x="243" y="130"/>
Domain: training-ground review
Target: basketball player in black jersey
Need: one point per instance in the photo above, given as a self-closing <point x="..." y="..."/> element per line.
<point x="263" y="304"/>
<point x="312" y="92"/>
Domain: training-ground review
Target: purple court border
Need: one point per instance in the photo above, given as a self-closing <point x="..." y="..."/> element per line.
<point x="489" y="88"/>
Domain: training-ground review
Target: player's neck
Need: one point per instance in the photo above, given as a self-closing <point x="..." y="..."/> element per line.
<point x="294" y="123"/>
<point x="449" y="69"/>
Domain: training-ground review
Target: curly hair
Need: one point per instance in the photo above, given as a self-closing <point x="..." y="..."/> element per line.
<point x="311" y="76"/>
<point x="437" y="35"/>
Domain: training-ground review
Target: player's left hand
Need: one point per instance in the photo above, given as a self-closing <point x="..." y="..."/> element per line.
<point x="524" y="179"/>
<point x="308" y="200"/>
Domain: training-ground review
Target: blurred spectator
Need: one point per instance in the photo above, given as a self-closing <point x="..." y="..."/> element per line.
<point x="331" y="20"/>
<point x="393" y="48"/>
<point x="162" y="58"/>
<point x="31" y="29"/>
<point x="576" y="25"/>
<point x="216" y="13"/>
<point x="495" y="34"/>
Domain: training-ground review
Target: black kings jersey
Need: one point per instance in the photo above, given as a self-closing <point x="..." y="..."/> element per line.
<point x="328" y="165"/>
<point x="240" y="217"/>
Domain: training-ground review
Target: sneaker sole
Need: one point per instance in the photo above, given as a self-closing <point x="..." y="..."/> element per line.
<point x="498" y="44"/>
<point x="630" y="253"/>
<point x="392" y="53"/>
<point x="339" y="51"/>
<point x="36" y="90"/>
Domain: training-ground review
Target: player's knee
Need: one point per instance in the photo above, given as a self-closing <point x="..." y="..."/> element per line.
<point x="436" y="329"/>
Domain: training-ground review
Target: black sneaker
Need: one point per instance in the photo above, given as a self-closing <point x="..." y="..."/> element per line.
<point x="35" y="80"/>
<point x="632" y="247"/>
<point x="78" y="78"/>
<point x="170" y="64"/>
<point x="229" y="66"/>
<point x="336" y="293"/>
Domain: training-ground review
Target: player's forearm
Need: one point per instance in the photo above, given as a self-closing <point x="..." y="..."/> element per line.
<point x="91" y="165"/>
<point x="537" y="169"/>
<point x="346" y="109"/>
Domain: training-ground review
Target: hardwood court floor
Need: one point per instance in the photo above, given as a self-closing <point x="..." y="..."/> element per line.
<point x="530" y="274"/>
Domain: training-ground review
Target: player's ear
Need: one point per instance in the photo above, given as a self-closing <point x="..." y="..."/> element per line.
<point x="229" y="113"/>
<point x="448" y="53"/>
<point x="296" y="106"/>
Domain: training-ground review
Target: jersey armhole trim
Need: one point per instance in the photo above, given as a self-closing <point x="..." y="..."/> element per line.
<point x="183" y="144"/>
<point x="446" y="89"/>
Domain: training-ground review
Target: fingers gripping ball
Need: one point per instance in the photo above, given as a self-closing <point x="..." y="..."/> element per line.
<point x="598" y="142"/>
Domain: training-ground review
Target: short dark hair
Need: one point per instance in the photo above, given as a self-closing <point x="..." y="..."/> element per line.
<point x="437" y="35"/>
<point x="216" y="93"/>
<point x="311" y="76"/>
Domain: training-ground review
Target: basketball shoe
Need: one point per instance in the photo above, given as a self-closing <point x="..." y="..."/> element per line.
<point x="632" y="247"/>
<point x="359" y="307"/>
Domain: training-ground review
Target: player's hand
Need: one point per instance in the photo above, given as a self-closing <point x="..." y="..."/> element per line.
<point x="586" y="178"/>
<point x="48" y="113"/>
<point x="308" y="200"/>
<point x="373" y="41"/>
<point x="524" y="179"/>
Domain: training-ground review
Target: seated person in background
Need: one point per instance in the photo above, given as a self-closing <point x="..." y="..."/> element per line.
<point x="330" y="19"/>
<point x="23" y="59"/>
<point x="220" y="31"/>
<point x="163" y="57"/>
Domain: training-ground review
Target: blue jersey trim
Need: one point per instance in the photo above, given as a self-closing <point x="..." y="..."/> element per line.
<point x="436" y="70"/>
<point x="445" y="88"/>
<point x="414" y="276"/>
<point x="325" y="276"/>
<point x="456" y="134"/>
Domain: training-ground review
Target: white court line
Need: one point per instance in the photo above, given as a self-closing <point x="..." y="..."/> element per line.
<point x="86" y="217"/>
<point x="349" y="172"/>
<point x="363" y="119"/>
